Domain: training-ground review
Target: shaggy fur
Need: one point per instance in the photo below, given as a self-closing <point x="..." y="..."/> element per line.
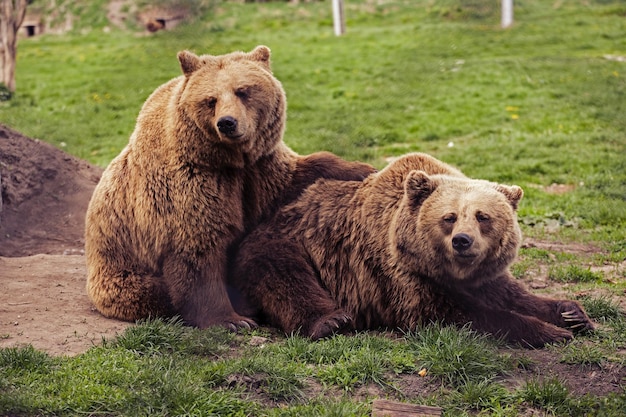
<point x="205" y="163"/>
<point x="417" y="242"/>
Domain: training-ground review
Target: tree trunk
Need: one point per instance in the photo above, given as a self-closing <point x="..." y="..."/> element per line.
<point x="12" y="14"/>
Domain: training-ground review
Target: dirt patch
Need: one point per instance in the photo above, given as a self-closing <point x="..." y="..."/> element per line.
<point x="119" y="11"/>
<point x="561" y="247"/>
<point x="44" y="197"/>
<point x="580" y="379"/>
<point x="555" y="188"/>
<point x="43" y="302"/>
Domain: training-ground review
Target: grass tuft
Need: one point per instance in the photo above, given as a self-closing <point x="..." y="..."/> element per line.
<point x="549" y="394"/>
<point x="159" y="335"/>
<point x="152" y="336"/>
<point x="325" y="407"/>
<point x="581" y="353"/>
<point x="481" y="395"/>
<point x="457" y="355"/>
<point x="262" y="371"/>
<point x="355" y="370"/>
<point x="24" y="359"/>
<point x="602" y="308"/>
<point x="573" y="273"/>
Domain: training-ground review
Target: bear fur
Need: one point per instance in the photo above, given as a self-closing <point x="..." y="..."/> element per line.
<point x="417" y="242"/>
<point x="205" y="163"/>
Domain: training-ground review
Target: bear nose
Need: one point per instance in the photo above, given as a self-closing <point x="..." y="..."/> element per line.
<point x="227" y="125"/>
<point x="462" y="241"/>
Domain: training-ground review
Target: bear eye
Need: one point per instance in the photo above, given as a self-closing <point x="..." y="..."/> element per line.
<point x="482" y="217"/>
<point x="210" y="102"/>
<point x="242" y="93"/>
<point x="449" y="218"/>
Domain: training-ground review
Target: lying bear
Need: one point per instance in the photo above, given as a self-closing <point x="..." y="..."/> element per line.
<point x="415" y="243"/>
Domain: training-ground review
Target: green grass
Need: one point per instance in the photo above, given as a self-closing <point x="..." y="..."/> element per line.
<point x="534" y="105"/>
<point x="603" y="309"/>
<point x="457" y="356"/>
<point x="151" y="370"/>
<point x="583" y="354"/>
<point x="573" y="273"/>
<point x="549" y="394"/>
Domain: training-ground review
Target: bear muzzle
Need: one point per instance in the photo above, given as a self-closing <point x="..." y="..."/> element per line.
<point x="228" y="125"/>
<point x="462" y="243"/>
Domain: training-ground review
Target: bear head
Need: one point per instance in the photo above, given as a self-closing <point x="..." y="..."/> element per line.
<point x="234" y="100"/>
<point x="455" y="229"/>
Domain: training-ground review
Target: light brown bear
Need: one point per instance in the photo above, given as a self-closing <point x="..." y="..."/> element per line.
<point x="416" y="243"/>
<point x="205" y="163"/>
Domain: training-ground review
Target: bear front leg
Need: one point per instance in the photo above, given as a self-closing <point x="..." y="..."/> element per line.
<point x="199" y="293"/>
<point x="516" y="328"/>
<point x="273" y="275"/>
<point x="506" y="293"/>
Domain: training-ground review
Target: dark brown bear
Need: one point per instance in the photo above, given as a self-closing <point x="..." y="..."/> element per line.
<point x="416" y="243"/>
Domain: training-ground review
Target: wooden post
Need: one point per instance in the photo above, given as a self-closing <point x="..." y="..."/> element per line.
<point x="386" y="408"/>
<point x="339" y="21"/>
<point x="507" y="13"/>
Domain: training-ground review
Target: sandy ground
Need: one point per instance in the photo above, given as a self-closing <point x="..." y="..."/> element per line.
<point x="43" y="302"/>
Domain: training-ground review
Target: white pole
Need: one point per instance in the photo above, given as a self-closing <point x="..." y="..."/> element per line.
<point x="507" y="13"/>
<point x="339" y="22"/>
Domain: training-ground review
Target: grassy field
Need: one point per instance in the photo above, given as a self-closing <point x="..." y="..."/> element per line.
<point x="541" y="105"/>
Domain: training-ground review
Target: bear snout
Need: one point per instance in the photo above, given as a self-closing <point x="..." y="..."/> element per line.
<point x="462" y="242"/>
<point x="228" y="126"/>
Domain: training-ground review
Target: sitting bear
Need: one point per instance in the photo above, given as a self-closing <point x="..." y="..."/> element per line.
<point x="205" y="163"/>
<point x="417" y="242"/>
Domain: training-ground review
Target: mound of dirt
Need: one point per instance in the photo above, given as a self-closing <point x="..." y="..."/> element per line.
<point x="44" y="197"/>
<point x="43" y="200"/>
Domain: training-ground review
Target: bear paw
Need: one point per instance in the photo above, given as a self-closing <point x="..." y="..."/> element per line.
<point x="329" y="324"/>
<point x="237" y="322"/>
<point x="574" y="318"/>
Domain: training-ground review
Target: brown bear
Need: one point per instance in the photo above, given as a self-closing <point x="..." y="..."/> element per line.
<point x="417" y="242"/>
<point x="205" y="163"/>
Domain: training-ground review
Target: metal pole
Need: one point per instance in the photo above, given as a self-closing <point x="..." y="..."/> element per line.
<point x="339" y="22"/>
<point x="507" y="13"/>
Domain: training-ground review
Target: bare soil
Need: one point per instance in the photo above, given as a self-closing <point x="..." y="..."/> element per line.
<point x="44" y="197"/>
<point x="43" y="301"/>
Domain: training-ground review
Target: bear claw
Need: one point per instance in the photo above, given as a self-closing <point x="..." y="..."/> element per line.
<point x="246" y="324"/>
<point x="329" y="324"/>
<point x="571" y="315"/>
<point x="576" y="320"/>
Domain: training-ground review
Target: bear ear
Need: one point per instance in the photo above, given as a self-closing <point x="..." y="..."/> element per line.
<point x="513" y="193"/>
<point x="261" y="54"/>
<point x="418" y="186"/>
<point x="189" y="62"/>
